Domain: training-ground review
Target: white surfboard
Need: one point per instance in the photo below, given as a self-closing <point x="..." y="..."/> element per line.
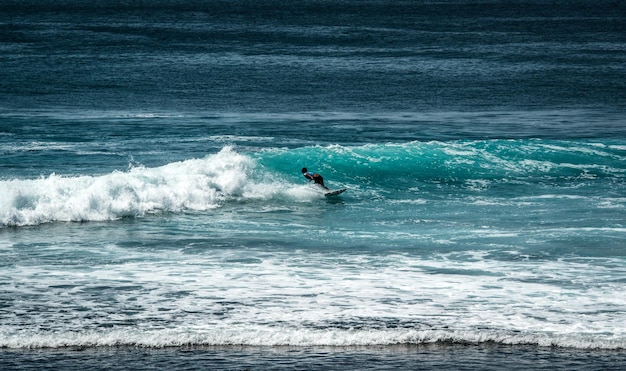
<point x="335" y="192"/>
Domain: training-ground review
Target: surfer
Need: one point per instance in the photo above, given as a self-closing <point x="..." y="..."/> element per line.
<point x="318" y="179"/>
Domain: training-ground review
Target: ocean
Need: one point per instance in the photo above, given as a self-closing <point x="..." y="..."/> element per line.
<point x="153" y="213"/>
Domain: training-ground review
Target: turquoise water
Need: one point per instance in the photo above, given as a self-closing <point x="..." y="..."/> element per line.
<point x="514" y="241"/>
<point x="153" y="211"/>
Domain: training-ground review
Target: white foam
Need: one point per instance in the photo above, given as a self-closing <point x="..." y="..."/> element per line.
<point x="281" y="336"/>
<point x="257" y="297"/>
<point x="196" y="184"/>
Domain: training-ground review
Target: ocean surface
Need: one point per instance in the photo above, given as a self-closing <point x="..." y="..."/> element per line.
<point x="153" y="213"/>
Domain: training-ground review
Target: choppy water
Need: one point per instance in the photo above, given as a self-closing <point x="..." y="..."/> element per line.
<point x="151" y="193"/>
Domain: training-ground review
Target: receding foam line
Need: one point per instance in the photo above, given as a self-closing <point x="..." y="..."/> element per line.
<point x="277" y="336"/>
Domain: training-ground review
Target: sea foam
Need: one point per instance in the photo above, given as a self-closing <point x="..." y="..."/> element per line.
<point x="260" y="336"/>
<point x="195" y="184"/>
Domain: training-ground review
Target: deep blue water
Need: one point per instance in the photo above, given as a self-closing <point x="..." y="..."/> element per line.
<point x="153" y="212"/>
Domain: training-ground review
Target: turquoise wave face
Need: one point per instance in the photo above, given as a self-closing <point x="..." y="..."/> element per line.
<point x="400" y="166"/>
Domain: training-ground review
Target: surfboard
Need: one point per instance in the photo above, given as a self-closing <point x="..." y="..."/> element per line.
<point x="335" y="192"/>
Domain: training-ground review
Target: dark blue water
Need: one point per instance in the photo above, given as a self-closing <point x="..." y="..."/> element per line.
<point x="153" y="212"/>
<point x="271" y="56"/>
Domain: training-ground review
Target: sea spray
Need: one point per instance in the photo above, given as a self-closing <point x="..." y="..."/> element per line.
<point x="196" y="184"/>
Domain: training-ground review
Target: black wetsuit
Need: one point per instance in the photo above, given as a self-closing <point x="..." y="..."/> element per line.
<point x="318" y="179"/>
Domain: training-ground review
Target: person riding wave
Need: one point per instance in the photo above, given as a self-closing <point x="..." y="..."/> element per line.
<point x="315" y="177"/>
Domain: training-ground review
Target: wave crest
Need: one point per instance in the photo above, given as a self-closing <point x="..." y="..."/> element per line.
<point x="196" y="184"/>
